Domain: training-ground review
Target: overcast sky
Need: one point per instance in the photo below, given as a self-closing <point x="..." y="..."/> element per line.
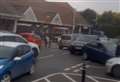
<point x="98" y="5"/>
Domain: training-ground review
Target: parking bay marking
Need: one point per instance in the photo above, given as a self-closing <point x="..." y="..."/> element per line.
<point x="66" y="75"/>
<point x="49" y="56"/>
<point x="77" y="70"/>
<point x="44" y="57"/>
<point x="73" y="67"/>
<point x="102" y="78"/>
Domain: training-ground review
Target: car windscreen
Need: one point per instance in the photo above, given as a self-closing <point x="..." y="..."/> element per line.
<point x="87" y="38"/>
<point x="66" y="37"/>
<point x="6" y="52"/>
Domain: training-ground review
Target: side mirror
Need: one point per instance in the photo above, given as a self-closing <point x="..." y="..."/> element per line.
<point x="17" y="58"/>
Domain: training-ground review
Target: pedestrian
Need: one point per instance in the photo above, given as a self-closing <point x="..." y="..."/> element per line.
<point x="58" y="41"/>
<point x="118" y="50"/>
<point x="47" y="41"/>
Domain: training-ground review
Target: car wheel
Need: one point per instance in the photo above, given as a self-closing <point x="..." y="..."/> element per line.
<point x="85" y="56"/>
<point x="116" y="71"/>
<point x="6" y="78"/>
<point x="32" y="70"/>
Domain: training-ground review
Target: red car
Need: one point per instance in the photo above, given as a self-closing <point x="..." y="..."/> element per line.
<point x="31" y="37"/>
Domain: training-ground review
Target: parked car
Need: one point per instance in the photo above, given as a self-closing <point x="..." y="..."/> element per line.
<point x="31" y="37"/>
<point x="81" y="40"/>
<point x="100" y="51"/>
<point x="15" y="60"/>
<point x="65" y="41"/>
<point x="12" y="37"/>
<point x="113" y="67"/>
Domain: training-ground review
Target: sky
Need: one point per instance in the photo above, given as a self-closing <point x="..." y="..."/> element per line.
<point x="98" y="5"/>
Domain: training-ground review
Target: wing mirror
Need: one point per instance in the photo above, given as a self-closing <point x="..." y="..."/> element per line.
<point x="17" y="58"/>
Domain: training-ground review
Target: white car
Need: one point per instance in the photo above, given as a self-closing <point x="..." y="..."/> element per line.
<point x="65" y="41"/>
<point x="12" y="37"/>
<point x="113" y="66"/>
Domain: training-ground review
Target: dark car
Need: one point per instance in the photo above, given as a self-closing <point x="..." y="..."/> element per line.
<point x="100" y="51"/>
<point x="77" y="45"/>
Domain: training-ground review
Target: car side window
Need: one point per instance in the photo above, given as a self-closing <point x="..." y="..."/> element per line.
<point x="1" y="38"/>
<point x="97" y="46"/>
<point x="23" y="50"/>
<point x="14" y="39"/>
<point x="101" y="47"/>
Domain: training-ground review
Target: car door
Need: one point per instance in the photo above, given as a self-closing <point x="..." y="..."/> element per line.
<point x="98" y="52"/>
<point x="23" y="64"/>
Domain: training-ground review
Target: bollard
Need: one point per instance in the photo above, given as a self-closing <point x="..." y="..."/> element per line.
<point x="83" y="73"/>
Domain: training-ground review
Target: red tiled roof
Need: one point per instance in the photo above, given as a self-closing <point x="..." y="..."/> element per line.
<point x="45" y="11"/>
<point x="6" y="9"/>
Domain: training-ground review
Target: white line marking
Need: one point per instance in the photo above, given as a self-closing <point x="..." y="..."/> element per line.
<point x="79" y="64"/>
<point x="50" y="75"/>
<point x="67" y="69"/>
<point x="80" y="76"/>
<point x="47" y="80"/>
<point x="44" y="57"/>
<point x="77" y="70"/>
<point x="69" y="77"/>
<point x="92" y="78"/>
<point x="96" y="77"/>
<point x="105" y="79"/>
<point x="74" y="66"/>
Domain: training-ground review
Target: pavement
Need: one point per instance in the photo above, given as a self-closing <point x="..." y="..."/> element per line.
<point x="54" y="65"/>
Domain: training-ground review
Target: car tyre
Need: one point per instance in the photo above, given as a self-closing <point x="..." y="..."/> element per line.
<point x="6" y="78"/>
<point x="32" y="70"/>
<point x="116" y="71"/>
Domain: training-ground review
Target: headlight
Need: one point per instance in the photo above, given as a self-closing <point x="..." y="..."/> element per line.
<point x="109" y="62"/>
<point x="1" y="66"/>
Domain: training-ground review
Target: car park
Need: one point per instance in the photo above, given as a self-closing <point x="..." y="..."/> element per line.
<point x="16" y="59"/>
<point x="65" y="41"/>
<point x="100" y="51"/>
<point x="31" y="37"/>
<point x="81" y="40"/>
<point x="12" y="37"/>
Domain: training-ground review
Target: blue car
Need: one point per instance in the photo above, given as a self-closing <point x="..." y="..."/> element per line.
<point x="100" y="51"/>
<point x="16" y="59"/>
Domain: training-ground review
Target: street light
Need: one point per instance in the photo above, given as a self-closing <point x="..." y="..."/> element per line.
<point x="74" y="17"/>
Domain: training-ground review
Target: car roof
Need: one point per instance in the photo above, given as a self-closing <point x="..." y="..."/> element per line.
<point x="8" y="34"/>
<point x="11" y="44"/>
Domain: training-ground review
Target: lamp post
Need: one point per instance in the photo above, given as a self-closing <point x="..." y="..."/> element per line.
<point x="74" y="16"/>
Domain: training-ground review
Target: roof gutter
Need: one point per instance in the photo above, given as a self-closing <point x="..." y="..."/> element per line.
<point x="10" y="15"/>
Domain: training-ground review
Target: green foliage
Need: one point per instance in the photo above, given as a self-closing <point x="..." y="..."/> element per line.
<point x="89" y="15"/>
<point x="110" y="23"/>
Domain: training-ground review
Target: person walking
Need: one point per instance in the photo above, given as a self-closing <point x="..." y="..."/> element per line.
<point x="47" y="41"/>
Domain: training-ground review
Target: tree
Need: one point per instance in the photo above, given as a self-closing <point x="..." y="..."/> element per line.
<point x="89" y="15"/>
<point x="109" y="22"/>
